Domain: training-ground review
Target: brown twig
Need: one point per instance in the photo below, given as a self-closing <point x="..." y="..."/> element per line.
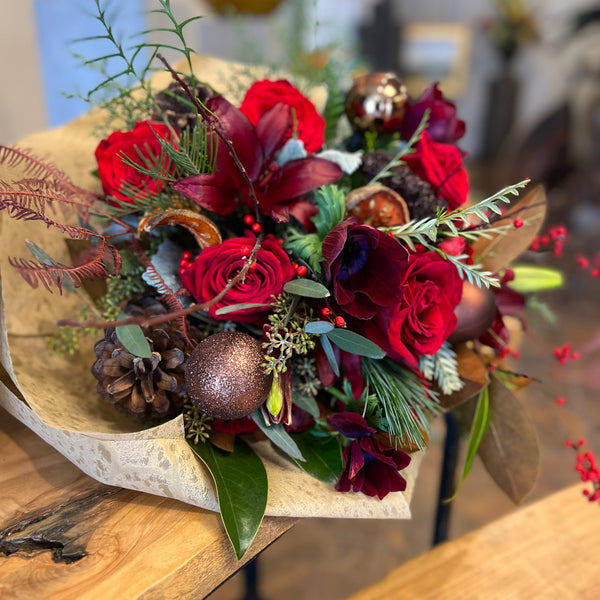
<point x="149" y="321"/>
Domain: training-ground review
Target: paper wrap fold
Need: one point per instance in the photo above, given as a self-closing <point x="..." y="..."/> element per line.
<point x="57" y="399"/>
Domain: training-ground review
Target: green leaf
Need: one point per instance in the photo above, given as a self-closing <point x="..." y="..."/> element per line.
<point x="46" y="259"/>
<point x="349" y="341"/>
<point x="328" y="349"/>
<point x="306" y="246"/>
<point x="242" y="306"/>
<point x="242" y="490"/>
<point x="479" y="427"/>
<point x="133" y="339"/>
<point x="531" y="278"/>
<point x="323" y="456"/>
<point x="318" y="327"/>
<point x="307" y="288"/>
<point x="278" y="435"/>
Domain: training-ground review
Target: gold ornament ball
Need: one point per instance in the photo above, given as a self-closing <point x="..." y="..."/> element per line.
<point x="474" y="313"/>
<point x="225" y="375"/>
<point x="376" y="102"/>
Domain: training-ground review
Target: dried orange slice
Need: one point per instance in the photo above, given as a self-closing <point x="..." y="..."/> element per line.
<point x="377" y="205"/>
<point x="201" y="227"/>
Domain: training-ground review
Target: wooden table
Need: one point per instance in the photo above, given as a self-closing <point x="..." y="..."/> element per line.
<point x="546" y="551"/>
<point x="64" y="535"/>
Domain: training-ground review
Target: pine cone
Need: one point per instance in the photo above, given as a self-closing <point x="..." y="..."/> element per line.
<point x="175" y="106"/>
<point x="143" y="387"/>
<point x="419" y="197"/>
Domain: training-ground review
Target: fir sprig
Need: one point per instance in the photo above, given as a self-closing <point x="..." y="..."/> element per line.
<point x="405" y="148"/>
<point x="442" y="367"/>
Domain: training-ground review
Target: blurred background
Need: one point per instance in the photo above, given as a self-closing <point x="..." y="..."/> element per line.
<point x="525" y="76"/>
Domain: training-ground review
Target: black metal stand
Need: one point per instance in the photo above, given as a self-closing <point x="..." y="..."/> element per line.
<point x="251" y="575"/>
<point x="447" y="479"/>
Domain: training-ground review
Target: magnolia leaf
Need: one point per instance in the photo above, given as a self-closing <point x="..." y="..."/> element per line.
<point x="278" y="435"/>
<point x="349" y="341"/>
<point x="328" y="349"/>
<point x="509" y="450"/>
<point x="497" y="252"/>
<point x="242" y="489"/>
<point x="531" y="278"/>
<point x="307" y="288"/>
<point x="323" y="456"/>
<point x="133" y="339"/>
<point x="46" y="259"/>
<point x="473" y="373"/>
<point x="318" y="327"/>
<point x="241" y="306"/>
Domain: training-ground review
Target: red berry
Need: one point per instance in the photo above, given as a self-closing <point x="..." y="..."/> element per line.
<point x="186" y="254"/>
<point x="253" y="266"/>
<point x="248" y="220"/>
<point x="518" y="222"/>
<point x="560" y="401"/>
<point x="183" y="262"/>
<point x="325" y="312"/>
<point x="583" y="262"/>
<point x="181" y="270"/>
<point x="302" y="270"/>
<point x="256" y="227"/>
<point x="245" y="250"/>
<point x="340" y="321"/>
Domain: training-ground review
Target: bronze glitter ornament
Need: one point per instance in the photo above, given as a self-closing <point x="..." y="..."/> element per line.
<point x="376" y="102"/>
<point x="225" y="375"/>
<point x="475" y="313"/>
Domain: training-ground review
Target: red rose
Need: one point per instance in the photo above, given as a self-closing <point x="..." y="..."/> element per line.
<point x="424" y="319"/>
<point x="137" y="144"/>
<point x="309" y="125"/>
<point x="442" y="167"/>
<point x="216" y="265"/>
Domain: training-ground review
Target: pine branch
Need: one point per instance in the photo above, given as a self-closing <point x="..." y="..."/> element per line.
<point x="423" y="232"/>
<point x="406" y="402"/>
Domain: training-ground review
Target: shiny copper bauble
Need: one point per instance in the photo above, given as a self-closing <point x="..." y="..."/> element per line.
<point x="376" y="102"/>
<point x="475" y="313"/>
<point x="377" y="205"/>
<point x="225" y="376"/>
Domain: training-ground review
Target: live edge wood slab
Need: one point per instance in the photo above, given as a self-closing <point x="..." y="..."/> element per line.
<point x="64" y="535"/>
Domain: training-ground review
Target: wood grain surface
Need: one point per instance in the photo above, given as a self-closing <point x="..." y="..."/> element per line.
<point x="64" y="535"/>
<point x="545" y="551"/>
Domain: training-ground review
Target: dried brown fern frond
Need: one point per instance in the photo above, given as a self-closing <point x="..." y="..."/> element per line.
<point x="53" y="274"/>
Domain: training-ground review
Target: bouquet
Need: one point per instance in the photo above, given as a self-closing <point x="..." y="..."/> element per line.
<point x="291" y="291"/>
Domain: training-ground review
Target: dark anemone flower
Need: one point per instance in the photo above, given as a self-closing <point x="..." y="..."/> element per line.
<point x="366" y="267"/>
<point x="277" y="187"/>
<point x="370" y="467"/>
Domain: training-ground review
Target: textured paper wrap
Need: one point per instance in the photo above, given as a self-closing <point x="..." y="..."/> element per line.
<point x="57" y="399"/>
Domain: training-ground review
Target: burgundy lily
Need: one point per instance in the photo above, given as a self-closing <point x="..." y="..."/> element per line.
<point x="277" y="187"/>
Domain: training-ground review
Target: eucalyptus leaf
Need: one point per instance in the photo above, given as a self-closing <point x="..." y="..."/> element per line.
<point x="307" y="288"/>
<point x="242" y="489"/>
<point x="46" y="259"/>
<point x="328" y="349"/>
<point x="241" y="306"/>
<point x="323" y="456"/>
<point x="278" y="435"/>
<point x="318" y="327"/>
<point x="133" y="339"/>
<point x="352" y="342"/>
<point x="307" y="403"/>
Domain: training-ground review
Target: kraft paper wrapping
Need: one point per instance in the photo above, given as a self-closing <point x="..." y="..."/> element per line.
<point x="56" y="398"/>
